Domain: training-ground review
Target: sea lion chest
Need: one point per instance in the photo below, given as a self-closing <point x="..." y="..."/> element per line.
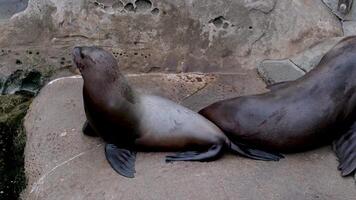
<point x="112" y="118"/>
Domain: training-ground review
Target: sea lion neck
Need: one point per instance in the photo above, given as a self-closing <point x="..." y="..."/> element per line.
<point x="111" y="86"/>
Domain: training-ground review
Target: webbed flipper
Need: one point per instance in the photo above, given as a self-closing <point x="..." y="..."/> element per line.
<point x="121" y="160"/>
<point x="254" y="153"/>
<point x="345" y="149"/>
<point x="211" y="154"/>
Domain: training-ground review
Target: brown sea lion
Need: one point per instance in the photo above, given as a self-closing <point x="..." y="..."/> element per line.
<point x="299" y="115"/>
<point x="130" y="122"/>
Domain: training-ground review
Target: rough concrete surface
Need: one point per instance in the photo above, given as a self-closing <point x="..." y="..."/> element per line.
<point x="62" y="163"/>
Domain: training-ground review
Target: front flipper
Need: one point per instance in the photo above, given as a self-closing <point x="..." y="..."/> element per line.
<point x="211" y="154"/>
<point x="88" y="130"/>
<point x="253" y="153"/>
<point x="345" y="149"/>
<point x="121" y="160"/>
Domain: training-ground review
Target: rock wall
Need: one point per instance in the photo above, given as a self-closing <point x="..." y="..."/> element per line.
<point x="229" y="36"/>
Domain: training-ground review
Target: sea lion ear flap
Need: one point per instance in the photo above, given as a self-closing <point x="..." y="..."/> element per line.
<point x="121" y="160"/>
<point x="345" y="149"/>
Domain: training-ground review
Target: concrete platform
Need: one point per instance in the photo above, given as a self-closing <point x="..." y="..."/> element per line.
<point x="62" y="163"/>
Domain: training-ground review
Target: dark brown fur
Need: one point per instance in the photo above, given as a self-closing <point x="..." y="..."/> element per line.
<point x="298" y="115"/>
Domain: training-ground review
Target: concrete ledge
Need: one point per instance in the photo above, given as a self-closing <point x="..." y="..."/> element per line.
<point x="62" y="163"/>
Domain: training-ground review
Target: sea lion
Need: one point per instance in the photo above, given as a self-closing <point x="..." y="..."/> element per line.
<point x="302" y="114"/>
<point x="130" y="122"/>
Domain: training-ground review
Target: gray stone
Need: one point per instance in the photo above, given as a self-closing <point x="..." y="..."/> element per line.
<point x="352" y="14"/>
<point x="309" y="58"/>
<point x="349" y="28"/>
<point x="9" y="7"/>
<point x="22" y="82"/>
<point x="333" y="6"/>
<point x="274" y="71"/>
<point x="164" y="36"/>
<point x="62" y="163"/>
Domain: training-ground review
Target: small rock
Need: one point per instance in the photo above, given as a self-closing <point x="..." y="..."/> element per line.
<point x="274" y="71"/>
<point x="143" y="5"/>
<point x="333" y="6"/>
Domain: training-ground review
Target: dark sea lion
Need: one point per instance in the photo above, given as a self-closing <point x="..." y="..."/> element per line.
<point x="130" y="122"/>
<point x="299" y="115"/>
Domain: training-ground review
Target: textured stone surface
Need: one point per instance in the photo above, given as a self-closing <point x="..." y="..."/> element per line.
<point x="160" y="36"/>
<point x="333" y="4"/>
<point x="349" y="28"/>
<point x="9" y="7"/>
<point x="309" y="58"/>
<point x="274" y="71"/>
<point x="62" y="163"/>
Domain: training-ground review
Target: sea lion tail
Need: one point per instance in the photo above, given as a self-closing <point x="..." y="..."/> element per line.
<point x="345" y="149"/>
<point x="253" y="153"/>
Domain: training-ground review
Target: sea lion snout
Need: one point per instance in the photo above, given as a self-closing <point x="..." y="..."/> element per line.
<point x="92" y="57"/>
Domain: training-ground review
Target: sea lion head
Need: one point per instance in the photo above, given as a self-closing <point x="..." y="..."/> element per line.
<point x="100" y="71"/>
<point x="96" y="63"/>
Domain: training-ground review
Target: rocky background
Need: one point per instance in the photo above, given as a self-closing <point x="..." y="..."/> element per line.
<point x="282" y="39"/>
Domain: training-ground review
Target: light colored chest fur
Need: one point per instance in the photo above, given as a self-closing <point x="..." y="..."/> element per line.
<point x="165" y="122"/>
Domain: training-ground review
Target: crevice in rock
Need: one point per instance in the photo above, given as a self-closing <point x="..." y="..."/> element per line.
<point x="129" y="7"/>
<point x="143" y="5"/>
<point x="218" y="21"/>
<point x="193" y="93"/>
<point x="155" y="11"/>
<point x="297" y="66"/>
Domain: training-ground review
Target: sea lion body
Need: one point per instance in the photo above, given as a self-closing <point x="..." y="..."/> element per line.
<point x="298" y="115"/>
<point x="155" y="124"/>
<point x="130" y="122"/>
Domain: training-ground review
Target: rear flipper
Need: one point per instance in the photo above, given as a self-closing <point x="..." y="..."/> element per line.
<point x="212" y="153"/>
<point x="253" y="153"/>
<point x="121" y="160"/>
<point x="345" y="149"/>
